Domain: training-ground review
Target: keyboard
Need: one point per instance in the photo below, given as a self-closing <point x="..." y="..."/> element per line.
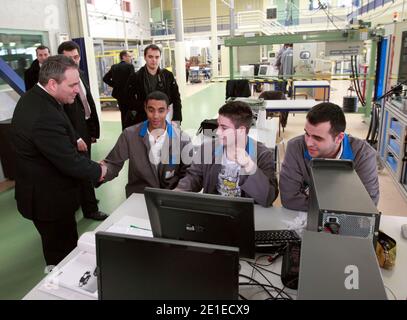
<point x="274" y="238"/>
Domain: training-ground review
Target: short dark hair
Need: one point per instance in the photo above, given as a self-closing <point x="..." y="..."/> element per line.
<point x="68" y="46"/>
<point x="123" y="53"/>
<point x="326" y="111"/>
<point x="157" y="95"/>
<point x="272" y="95"/>
<point x="239" y="112"/>
<point x="42" y="47"/>
<point x="152" y="47"/>
<point x="54" y="68"/>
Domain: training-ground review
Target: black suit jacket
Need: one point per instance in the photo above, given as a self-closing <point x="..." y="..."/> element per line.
<point x="117" y="78"/>
<point x="85" y="129"/>
<point x="31" y="75"/>
<point x="137" y="89"/>
<point x="48" y="166"/>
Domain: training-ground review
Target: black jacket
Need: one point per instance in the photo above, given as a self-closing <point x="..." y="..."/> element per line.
<point x="117" y="78"/>
<point x="85" y="129"/>
<point x="48" y="166"/>
<point x="31" y="75"/>
<point x="137" y="88"/>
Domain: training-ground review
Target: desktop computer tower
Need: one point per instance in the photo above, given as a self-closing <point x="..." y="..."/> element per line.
<point x="339" y="202"/>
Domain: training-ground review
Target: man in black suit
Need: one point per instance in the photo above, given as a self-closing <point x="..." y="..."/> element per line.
<point x="117" y="78"/>
<point x="84" y="119"/>
<point x="48" y="165"/>
<point x="31" y="74"/>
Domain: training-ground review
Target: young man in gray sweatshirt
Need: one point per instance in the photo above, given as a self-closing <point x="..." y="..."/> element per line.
<point x="153" y="149"/>
<point x="324" y="137"/>
<point x="234" y="164"/>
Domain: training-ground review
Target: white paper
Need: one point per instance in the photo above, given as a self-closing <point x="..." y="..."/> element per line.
<point x="133" y="226"/>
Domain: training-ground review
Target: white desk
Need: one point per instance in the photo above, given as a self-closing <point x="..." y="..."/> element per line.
<point x="313" y="84"/>
<point x="290" y="105"/>
<point x="265" y="218"/>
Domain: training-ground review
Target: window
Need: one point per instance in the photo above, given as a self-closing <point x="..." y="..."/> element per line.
<point x="126" y="6"/>
<point x="17" y="48"/>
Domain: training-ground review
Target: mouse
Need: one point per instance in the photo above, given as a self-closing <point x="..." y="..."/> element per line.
<point x="404" y="231"/>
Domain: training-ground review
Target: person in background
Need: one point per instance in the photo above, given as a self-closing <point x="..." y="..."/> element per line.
<point x="31" y="74"/>
<point x="85" y="121"/>
<point x="148" y="79"/>
<point x="117" y="78"/>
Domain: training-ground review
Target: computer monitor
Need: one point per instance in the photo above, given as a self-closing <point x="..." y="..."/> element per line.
<point x="263" y="70"/>
<point x="247" y="71"/>
<point x="131" y="268"/>
<point x="204" y="218"/>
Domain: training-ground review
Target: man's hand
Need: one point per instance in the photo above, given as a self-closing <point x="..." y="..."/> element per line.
<point x="104" y="171"/>
<point x="82" y="147"/>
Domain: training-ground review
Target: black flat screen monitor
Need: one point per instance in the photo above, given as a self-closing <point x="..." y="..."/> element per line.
<point x="138" y="268"/>
<point x="204" y="218"/>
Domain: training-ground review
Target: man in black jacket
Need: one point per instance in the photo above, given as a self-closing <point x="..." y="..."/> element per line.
<point x="148" y="79"/>
<point x="31" y="74"/>
<point x="84" y="119"/>
<point x="117" y="78"/>
<point x="49" y="167"/>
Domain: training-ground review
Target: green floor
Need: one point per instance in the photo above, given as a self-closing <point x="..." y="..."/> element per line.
<point x="21" y="259"/>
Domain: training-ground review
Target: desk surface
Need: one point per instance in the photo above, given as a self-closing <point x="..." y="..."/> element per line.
<point x="313" y="83"/>
<point x="290" y="105"/>
<point x="265" y="218"/>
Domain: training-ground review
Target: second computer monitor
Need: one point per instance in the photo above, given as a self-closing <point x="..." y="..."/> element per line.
<point x="131" y="267"/>
<point x="264" y="70"/>
<point x="203" y="218"/>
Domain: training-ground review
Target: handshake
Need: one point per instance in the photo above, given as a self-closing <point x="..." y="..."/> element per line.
<point x="103" y="168"/>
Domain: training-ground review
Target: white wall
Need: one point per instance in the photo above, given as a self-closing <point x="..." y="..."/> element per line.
<point x="138" y="26"/>
<point x="39" y="15"/>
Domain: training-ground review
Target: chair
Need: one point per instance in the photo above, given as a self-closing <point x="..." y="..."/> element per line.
<point x="276" y="95"/>
<point x="238" y="88"/>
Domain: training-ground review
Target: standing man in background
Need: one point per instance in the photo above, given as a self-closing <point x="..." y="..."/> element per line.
<point x="286" y="67"/>
<point x="31" y="74"/>
<point x="84" y="119"/>
<point x="148" y="79"/>
<point x="48" y="166"/>
<point x="117" y="78"/>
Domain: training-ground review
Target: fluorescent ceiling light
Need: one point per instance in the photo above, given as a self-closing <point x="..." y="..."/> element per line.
<point x="12" y="44"/>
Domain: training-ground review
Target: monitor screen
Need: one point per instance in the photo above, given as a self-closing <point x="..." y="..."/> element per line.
<point x="204" y="218"/>
<point x="247" y="71"/>
<point x="131" y="267"/>
<point x="263" y="70"/>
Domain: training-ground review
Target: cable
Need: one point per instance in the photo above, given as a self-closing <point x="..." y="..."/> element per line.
<point x="355" y="83"/>
<point x="326" y="13"/>
<point x="257" y="268"/>
<point x="280" y="291"/>
<point x="394" y="296"/>
<point x="258" y="283"/>
<point x="357" y="80"/>
<point x="263" y="287"/>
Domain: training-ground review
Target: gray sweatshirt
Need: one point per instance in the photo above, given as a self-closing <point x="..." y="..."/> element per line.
<point x="295" y="173"/>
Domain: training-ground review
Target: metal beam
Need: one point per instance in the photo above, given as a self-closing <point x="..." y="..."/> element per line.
<point x="326" y="36"/>
<point x="11" y="77"/>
